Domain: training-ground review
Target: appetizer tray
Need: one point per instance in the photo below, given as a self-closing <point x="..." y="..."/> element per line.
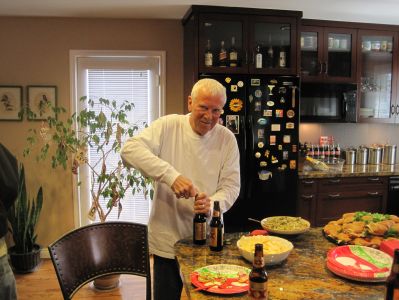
<point x="359" y="263"/>
<point x="221" y="279"/>
<point x="362" y="228"/>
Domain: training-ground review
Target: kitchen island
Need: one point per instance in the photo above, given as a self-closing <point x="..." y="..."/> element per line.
<point x="302" y="276"/>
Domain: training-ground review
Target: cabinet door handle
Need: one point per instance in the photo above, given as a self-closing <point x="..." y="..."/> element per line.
<point x="397" y="109"/>
<point x="321" y="67"/>
<point x="393" y="110"/>
<point x="373" y="193"/>
<point x="246" y="57"/>
<point x="308" y="182"/>
<point x="326" y="68"/>
<point x="334" y="195"/>
<point x="373" y="179"/>
<point x="307" y="197"/>
<point x="334" y="180"/>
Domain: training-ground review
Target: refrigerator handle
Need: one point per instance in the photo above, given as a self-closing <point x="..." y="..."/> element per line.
<point x="244" y="132"/>
<point x="250" y="156"/>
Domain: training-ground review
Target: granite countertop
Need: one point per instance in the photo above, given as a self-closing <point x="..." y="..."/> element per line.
<point x="353" y="171"/>
<point x="302" y="276"/>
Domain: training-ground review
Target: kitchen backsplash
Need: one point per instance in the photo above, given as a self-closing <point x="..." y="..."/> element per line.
<point x="351" y="134"/>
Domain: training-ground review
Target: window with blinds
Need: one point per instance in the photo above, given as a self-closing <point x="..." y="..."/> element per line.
<point x="120" y="76"/>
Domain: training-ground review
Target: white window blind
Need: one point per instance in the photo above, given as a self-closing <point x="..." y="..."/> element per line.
<point x="121" y="85"/>
<point x="135" y="76"/>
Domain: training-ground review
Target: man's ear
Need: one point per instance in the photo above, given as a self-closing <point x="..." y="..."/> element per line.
<point x="190" y="104"/>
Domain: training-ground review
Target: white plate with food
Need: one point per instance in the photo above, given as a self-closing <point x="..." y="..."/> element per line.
<point x="285" y="225"/>
<point x="275" y="249"/>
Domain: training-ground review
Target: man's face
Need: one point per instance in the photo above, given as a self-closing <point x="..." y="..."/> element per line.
<point x="205" y="112"/>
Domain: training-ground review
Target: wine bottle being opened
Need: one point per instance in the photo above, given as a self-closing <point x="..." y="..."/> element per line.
<point x="216" y="229"/>
<point x="199" y="229"/>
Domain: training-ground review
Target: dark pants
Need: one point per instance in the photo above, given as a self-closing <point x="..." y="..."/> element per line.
<point x="167" y="281"/>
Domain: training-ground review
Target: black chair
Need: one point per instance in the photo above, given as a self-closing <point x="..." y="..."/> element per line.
<point x="99" y="249"/>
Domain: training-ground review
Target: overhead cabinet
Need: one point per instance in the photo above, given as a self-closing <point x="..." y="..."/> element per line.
<point x="229" y="40"/>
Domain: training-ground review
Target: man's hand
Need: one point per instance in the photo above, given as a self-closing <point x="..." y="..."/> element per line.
<point x="183" y="187"/>
<point x="202" y="204"/>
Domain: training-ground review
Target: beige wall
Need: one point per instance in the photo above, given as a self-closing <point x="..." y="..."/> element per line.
<point x="35" y="51"/>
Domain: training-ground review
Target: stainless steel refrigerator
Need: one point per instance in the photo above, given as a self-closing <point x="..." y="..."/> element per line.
<point x="263" y="113"/>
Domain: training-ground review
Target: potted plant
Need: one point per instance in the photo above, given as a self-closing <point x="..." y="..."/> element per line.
<point x="101" y="126"/>
<point x="23" y="216"/>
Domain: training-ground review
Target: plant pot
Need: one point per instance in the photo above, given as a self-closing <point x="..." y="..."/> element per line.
<point x="107" y="282"/>
<point x="25" y="262"/>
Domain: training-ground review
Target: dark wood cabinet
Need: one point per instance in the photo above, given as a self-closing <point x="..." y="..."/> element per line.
<point x="328" y="54"/>
<point x="323" y="200"/>
<point x="271" y="33"/>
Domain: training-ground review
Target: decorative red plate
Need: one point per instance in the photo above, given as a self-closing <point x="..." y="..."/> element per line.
<point x="221" y="279"/>
<point x="359" y="263"/>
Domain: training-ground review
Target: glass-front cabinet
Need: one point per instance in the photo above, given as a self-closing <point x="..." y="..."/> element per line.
<point x="233" y="43"/>
<point x="328" y="54"/>
<point x="376" y="60"/>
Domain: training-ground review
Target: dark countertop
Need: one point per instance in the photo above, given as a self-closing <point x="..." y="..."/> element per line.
<point x="302" y="276"/>
<point x="353" y="171"/>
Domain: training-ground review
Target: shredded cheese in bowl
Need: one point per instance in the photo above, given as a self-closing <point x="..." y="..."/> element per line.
<point x="275" y="249"/>
<point x="285" y="225"/>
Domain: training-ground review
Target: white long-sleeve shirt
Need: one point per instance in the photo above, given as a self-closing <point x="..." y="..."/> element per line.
<point x="169" y="148"/>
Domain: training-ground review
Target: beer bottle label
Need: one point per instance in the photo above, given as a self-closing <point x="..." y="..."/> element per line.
<point x="258" y="290"/>
<point x="213" y="240"/>
<point x="395" y="294"/>
<point x="200" y="231"/>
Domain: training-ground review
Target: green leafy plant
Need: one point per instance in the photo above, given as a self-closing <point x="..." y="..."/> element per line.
<point x="101" y="126"/>
<point x="24" y="215"/>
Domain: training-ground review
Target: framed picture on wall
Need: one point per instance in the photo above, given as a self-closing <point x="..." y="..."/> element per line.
<point x="10" y="103"/>
<point x="41" y="99"/>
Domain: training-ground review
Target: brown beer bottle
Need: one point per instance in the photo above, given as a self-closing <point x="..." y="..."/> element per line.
<point x="258" y="276"/>
<point x="392" y="283"/>
<point x="199" y="229"/>
<point x="216" y="229"/>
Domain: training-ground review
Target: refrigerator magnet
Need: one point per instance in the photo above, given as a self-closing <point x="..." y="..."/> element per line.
<point x="262" y="164"/>
<point x="282" y="100"/>
<point x="227" y="79"/>
<point x="258" y="105"/>
<point x="272" y="140"/>
<point x="273" y="81"/>
<point x="261" y="133"/>
<point x="270" y="103"/>
<point x="262" y="121"/>
<point x="267" y="153"/>
<point x="261" y="145"/>
<point x="294" y="148"/>
<point x="285" y="155"/>
<point x="279" y="113"/>
<point x="290" y="113"/>
<point x="282" y="90"/>
<point x="250" y="98"/>
<point x="290" y="125"/>
<point x="280" y="147"/>
<point x="258" y="93"/>
<point x="232" y="122"/>
<point x="235" y="104"/>
<point x="275" y="127"/>
<point x="286" y="139"/>
<point x="264" y="175"/>
<point x="274" y="159"/>
<point x="267" y="113"/>
<point x="255" y="82"/>
<point x="271" y="87"/>
<point x="240" y="84"/>
<point x="282" y="167"/>
<point x="233" y="88"/>
<point x="257" y="154"/>
<point x="292" y="164"/>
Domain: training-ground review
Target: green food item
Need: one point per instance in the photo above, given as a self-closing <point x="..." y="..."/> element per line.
<point x="376" y="217"/>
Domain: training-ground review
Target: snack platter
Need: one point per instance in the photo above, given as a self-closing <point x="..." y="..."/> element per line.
<point x="362" y="228"/>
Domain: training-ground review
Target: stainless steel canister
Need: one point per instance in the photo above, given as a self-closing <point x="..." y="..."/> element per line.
<point x="350" y="156"/>
<point x="362" y="156"/>
<point x="389" y="154"/>
<point x="375" y="155"/>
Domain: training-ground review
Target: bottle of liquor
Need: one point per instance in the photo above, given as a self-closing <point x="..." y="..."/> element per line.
<point x="258" y="58"/>
<point x="208" y="55"/>
<point x="216" y="229"/>
<point x="199" y="229"/>
<point x="270" y="54"/>
<point x="233" y="54"/>
<point x="338" y="151"/>
<point x="282" y="63"/>
<point x="222" y="55"/>
<point x="258" y="276"/>
<point x="392" y="283"/>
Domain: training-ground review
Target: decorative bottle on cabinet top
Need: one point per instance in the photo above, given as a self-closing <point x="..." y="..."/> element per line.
<point x="222" y="55"/>
<point x="208" y="55"/>
<point x="233" y="54"/>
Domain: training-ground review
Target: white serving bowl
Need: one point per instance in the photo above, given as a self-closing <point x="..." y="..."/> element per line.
<point x="275" y="249"/>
